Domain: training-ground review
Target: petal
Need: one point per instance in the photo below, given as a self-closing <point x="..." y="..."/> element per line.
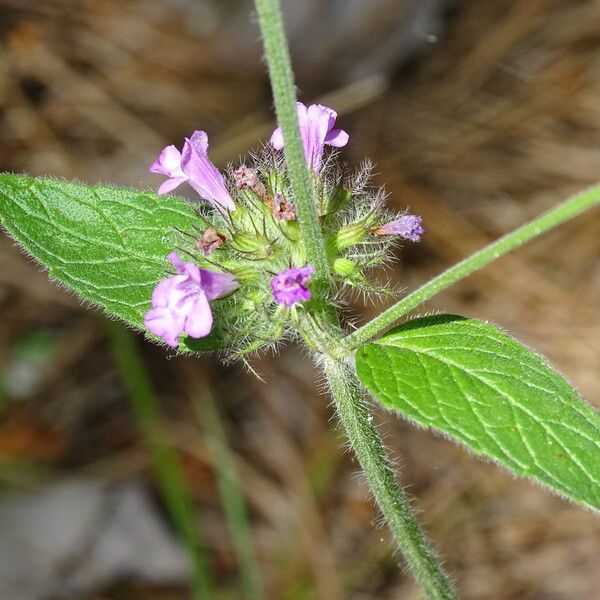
<point x="164" y="323"/>
<point x="319" y="112"/>
<point x="337" y="138"/>
<point x="170" y="184"/>
<point x="317" y="127"/>
<point x="162" y="292"/>
<point x="193" y="273"/>
<point x="199" y="318"/>
<point x="205" y="178"/>
<point x="216" y="285"/>
<point x="199" y="142"/>
<point x="305" y="273"/>
<point x="176" y="261"/>
<point x="302" y="113"/>
<point x="277" y="139"/>
<point x="168" y="162"/>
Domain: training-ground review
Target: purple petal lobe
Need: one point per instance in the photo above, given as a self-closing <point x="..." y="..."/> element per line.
<point x="199" y="141"/>
<point x="289" y="286"/>
<point x="277" y="139"/>
<point x="161" y="293"/>
<point x="337" y="138"/>
<point x="165" y="323"/>
<point x="170" y="184"/>
<point x="168" y="163"/>
<point x="199" y="321"/>
<point x="174" y="259"/>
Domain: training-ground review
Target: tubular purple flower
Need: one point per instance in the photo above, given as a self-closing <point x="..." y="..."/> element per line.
<point x="289" y="286"/>
<point x="316" y="128"/>
<point x="181" y="303"/>
<point x="407" y="227"/>
<point x="192" y="165"/>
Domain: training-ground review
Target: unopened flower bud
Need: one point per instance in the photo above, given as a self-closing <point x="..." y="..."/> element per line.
<point x="254" y="244"/>
<point x="351" y="273"/>
<point x="352" y="234"/>
<point x="344" y="267"/>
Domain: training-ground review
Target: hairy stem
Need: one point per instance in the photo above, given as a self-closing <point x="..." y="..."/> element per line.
<point x="563" y="212"/>
<point x="390" y="498"/>
<point x="284" y="95"/>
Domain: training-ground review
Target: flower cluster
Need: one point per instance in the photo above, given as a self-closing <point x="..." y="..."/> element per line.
<point x="249" y="275"/>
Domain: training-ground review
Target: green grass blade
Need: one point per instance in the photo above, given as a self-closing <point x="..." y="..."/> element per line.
<point x="169" y="473"/>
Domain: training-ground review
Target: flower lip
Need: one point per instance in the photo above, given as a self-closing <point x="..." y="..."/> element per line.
<point x="316" y="128"/>
<point x="290" y="286"/>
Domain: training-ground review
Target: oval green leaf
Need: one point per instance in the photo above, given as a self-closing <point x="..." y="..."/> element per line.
<point x="472" y="382"/>
<point x="107" y="244"/>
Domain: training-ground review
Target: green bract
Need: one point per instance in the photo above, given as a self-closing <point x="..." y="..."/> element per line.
<point x="470" y="381"/>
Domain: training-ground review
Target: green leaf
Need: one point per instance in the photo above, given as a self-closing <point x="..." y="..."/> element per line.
<point x="470" y="381"/>
<point x="107" y="244"/>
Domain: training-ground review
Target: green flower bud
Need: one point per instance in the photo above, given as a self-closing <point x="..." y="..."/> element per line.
<point x="247" y="274"/>
<point x="344" y="267"/>
<point x="354" y="233"/>
<point x="255" y="244"/>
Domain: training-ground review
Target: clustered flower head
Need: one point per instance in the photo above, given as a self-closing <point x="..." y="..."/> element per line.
<point x="248" y="278"/>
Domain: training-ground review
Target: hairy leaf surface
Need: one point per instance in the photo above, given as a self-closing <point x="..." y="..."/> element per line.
<point x="472" y="382"/>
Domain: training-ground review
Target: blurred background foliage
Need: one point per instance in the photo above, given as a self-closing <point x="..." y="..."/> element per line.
<point x="478" y="116"/>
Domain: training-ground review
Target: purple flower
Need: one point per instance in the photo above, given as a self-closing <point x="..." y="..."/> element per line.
<point x="407" y="227"/>
<point x="180" y="303"/>
<point x="316" y="127"/>
<point x="192" y="165"/>
<point x="289" y="286"/>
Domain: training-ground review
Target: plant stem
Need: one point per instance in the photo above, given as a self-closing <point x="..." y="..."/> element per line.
<point x="232" y="498"/>
<point x="345" y="389"/>
<point x="284" y="94"/>
<point x="391" y="499"/>
<point x="563" y="212"/>
<point x="168" y="469"/>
